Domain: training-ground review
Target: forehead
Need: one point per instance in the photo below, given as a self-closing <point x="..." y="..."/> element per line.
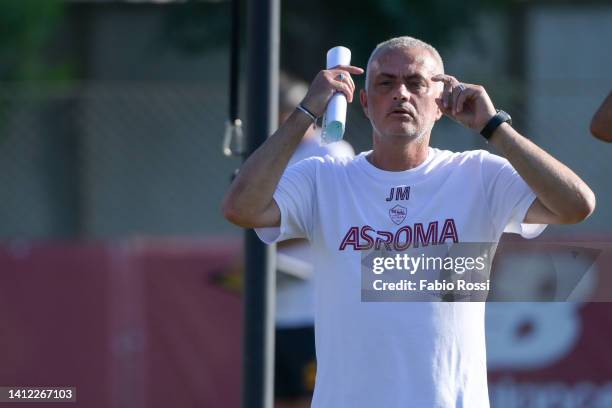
<point x="405" y="61"/>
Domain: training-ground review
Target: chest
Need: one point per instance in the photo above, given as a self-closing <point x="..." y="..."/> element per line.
<point x="358" y="215"/>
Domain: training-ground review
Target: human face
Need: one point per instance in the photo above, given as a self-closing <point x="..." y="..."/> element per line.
<point x="400" y="95"/>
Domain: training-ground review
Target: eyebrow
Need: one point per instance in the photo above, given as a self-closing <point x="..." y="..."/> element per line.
<point x="388" y="75"/>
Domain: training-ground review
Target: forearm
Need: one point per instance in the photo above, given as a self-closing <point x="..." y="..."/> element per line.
<point x="249" y="201"/>
<point x="557" y="187"/>
<point x="251" y="191"/>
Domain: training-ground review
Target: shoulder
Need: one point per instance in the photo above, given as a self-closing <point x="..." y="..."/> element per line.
<point x="339" y="149"/>
<point x="322" y="162"/>
<point x="466" y="157"/>
<point x="308" y="165"/>
<point x="470" y="161"/>
<point x="449" y="157"/>
<point x="313" y="147"/>
<point x="335" y="161"/>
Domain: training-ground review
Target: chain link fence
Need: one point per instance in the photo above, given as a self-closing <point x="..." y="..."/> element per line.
<point x="109" y="160"/>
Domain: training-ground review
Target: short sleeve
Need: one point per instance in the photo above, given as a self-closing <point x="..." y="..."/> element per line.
<point x="508" y="197"/>
<point x="294" y="196"/>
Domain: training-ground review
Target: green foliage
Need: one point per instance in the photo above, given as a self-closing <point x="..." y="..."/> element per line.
<point x="310" y="28"/>
<point x="25" y="29"/>
<point x="195" y="26"/>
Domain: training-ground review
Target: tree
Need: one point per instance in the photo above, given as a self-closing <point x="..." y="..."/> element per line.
<point x="25" y="29"/>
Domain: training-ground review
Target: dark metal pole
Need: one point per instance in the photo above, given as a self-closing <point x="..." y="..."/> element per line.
<point x="262" y="113"/>
<point x="234" y="61"/>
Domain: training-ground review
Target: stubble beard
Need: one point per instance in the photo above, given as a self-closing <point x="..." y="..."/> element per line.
<point x="417" y="136"/>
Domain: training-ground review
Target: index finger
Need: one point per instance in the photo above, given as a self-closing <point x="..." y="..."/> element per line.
<point x="442" y="78"/>
<point x="350" y="69"/>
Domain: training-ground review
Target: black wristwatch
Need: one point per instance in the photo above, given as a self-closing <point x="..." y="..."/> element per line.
<point x="499" y="118"/>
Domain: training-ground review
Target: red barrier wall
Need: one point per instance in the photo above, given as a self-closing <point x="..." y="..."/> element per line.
<point x="137" y="324"/>
<point x="157" y="323"/>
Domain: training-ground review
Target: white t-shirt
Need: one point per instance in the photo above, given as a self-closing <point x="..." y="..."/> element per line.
<point x="294" y="295"/>
<point x="397" y="354"/>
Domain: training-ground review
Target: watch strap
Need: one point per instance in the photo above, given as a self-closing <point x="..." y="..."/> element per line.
<point x="493" y="123"/>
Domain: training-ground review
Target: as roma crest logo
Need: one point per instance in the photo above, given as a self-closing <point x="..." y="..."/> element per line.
<point x="398" y="214"/>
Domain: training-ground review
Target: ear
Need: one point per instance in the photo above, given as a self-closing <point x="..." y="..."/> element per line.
<point x="439" y="113"/>
<point x="363" y="98"/>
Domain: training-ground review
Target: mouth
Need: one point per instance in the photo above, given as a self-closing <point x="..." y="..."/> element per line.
<point x="401" y="112"/>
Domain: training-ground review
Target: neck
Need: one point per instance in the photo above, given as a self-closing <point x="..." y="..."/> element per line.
<point x="395" y="153"/>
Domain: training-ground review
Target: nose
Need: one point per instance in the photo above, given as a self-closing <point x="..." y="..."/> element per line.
<point x="401" y="93"/>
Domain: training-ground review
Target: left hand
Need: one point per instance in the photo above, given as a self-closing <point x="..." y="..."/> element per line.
<point x="467" y="104"/>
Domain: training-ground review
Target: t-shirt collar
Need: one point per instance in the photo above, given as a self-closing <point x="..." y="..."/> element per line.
<point x="374" y="171"/>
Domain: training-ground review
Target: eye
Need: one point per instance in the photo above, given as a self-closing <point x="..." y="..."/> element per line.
<point x="418" y="85"/>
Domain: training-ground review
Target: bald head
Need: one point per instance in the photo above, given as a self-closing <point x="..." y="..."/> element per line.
<point x="402" y="43"/>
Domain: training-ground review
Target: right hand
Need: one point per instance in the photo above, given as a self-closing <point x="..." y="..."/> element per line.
<point x="326" y="84"/>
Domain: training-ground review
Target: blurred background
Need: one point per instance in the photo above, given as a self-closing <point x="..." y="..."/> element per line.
<point x="118" y="274"/>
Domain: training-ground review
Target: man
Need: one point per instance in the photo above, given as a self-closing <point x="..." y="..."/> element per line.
<point x="295" y="362"/>
<point x="601" y="124"/>
<point x="394" y="354"/>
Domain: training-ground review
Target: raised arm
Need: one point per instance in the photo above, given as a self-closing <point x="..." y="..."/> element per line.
<point x="249" y="202"/>
<point x="601" y="124"/>
<point x="562" y="197"/>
